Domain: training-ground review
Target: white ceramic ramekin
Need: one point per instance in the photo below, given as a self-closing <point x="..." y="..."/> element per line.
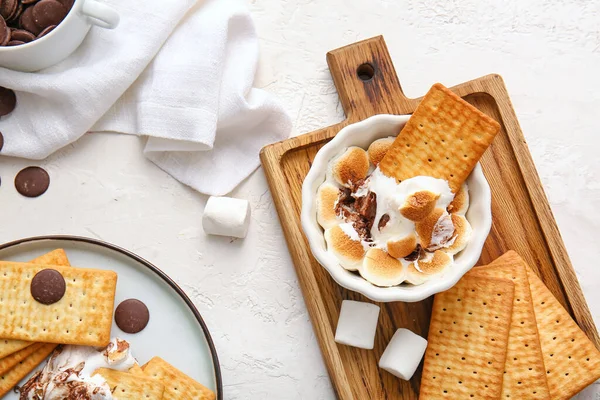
<point x="362" y="134"/>
<point x="62" y="41"/>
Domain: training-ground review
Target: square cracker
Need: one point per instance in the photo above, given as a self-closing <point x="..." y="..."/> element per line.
<point x="127" y="386"/>
<point x="177" y="384"/>
<point x="468" y="337"/>
<point x="571" y="359"/>
<point x="55" y="257"/>
<point x="9" y="379"/>
<point x="444" y="138"/>
<point x="83" y="316"/>
<point x="525" y="376"/>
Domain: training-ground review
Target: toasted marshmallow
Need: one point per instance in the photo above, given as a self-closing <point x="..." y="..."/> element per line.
<point x="422" y="270"/>
<point x="436" y="230"/>
<point x="402" y="247"/>
<point x="462" y="234"/>
<point x="345" y="244"/>
<point x="419" y="205"/>
<point x="378" y="149"/>
<point x="460" y="204"/>
<point x="327" y="197"/>
<point x="351" y="166"/>
<point x="381" y="269"/>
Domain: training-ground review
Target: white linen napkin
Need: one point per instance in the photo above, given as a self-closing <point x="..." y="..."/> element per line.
<point x="179" y="72"/>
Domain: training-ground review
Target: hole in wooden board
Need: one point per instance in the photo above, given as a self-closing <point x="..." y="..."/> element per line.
<point x="365" y="72"/>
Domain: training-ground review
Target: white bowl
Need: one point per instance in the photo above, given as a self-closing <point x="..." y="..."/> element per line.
<point x="62" y="41"/>
<point x="362" y="134"/>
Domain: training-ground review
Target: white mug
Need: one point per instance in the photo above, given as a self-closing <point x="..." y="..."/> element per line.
<point x="62" y="41"/>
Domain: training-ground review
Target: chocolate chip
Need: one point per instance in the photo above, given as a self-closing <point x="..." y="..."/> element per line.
<point x="385" y="218"/>
<point x="27" y="21"/>
<point x="48" y="286"/>
<point x="8" y="101"/>
<point x="414" y="256"/>
<point x="32" y="181"/>
<point x="132" y="316"/>
<point x="1" y="141"/>
<point x="46" y="31"/>
<point x="22" y="35"/>
<point x="48" y="12"/>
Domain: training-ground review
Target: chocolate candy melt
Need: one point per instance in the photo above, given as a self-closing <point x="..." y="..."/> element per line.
<point x="48" y="286"/>
<point x="8" y="101"/>
<point x="23" y="21"/>
<point x="132" y="316"/>
<point x="32" y="181"/>
<point x="48" y="12"/>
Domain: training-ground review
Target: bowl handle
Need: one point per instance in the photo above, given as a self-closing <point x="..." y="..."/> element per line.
<point x="100" y="14"/>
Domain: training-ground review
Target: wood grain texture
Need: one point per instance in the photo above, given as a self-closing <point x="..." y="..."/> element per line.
<point x="522" y="219"/>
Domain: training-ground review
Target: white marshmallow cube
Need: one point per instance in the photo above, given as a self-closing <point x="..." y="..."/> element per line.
<point x="403" y="354"/>
<point x="357" y="324"/>
<point x="225" y="216"/>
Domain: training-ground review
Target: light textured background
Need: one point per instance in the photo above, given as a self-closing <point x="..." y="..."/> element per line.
<point x="548" y="53"/>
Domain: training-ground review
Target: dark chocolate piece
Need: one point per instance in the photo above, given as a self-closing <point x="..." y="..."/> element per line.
<point x="414" y="256"/>
<point x="22" y="35"/>
<point x="132" y="316"/>
<point x="8" y="101"/>
<point x="385" y="218"/>
<point x="26" y="21"/>
<point x="48" y="12"/>
<point x="32" y="181"/>
<point x="48" y="286"/>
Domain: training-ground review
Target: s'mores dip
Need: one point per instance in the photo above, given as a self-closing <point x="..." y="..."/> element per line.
<point x="395" y="212"/>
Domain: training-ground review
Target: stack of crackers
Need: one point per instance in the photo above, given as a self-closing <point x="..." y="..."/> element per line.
<point x="500" y="334"/>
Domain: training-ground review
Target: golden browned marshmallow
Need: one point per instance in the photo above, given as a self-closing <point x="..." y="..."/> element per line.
<point x="462" y="234"/>
<point x="351" y="166"/>
<point x="327" y="196"/>
<point x="402" y="247"/>
<point x="426" y="226"/>
<point x="460" y="203"/>
<point x="381" y="269"/>
<point x="419" y="205"/>
<point x="348" y="250"/>
<point x="378" y="149"/>
<point x="423" y="269"/>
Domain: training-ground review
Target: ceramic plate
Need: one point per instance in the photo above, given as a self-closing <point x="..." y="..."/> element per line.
<point x="176" y="331"/>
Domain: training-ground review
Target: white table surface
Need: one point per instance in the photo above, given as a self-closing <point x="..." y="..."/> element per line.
<point x="247" y="291"/>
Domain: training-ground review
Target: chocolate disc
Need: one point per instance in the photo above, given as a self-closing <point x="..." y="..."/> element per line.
<point x="8" y="101"/>
<point x="132" y="316"/>
<point x="8" y="7"/>
<point x="16" y="14"/>
<point x="48" y="12"/>
<point x="14" y="43"/>
<point x="27" y="2"/>
<point x="32" y="181"/>
<point x="22" y="35"/>
<point x="27" y="22"/>
<point x="46" y="31"/>
<point x="4" y="32"/>
<point x="48" y="286"/>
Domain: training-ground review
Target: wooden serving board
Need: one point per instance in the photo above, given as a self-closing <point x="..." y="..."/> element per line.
<point x="522" y="220"/>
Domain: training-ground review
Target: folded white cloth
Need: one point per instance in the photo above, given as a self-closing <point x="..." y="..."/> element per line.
<point x="179" y="72"/>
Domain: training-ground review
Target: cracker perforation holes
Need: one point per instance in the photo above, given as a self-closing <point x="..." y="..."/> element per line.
<point x="462" y="358"/>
